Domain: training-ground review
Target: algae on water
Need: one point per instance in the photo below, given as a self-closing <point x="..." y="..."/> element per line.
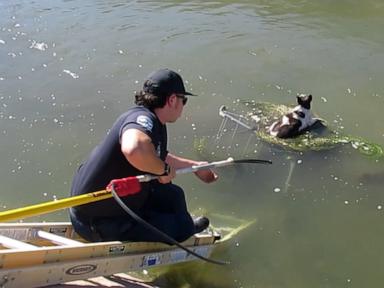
<point x="260" y="115"/>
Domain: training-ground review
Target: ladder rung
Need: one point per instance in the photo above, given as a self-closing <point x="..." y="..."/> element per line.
<point x="59" y="240"/>
<point x="12" y="243"/>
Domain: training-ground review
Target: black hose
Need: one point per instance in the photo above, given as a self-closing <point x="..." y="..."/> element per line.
<point x="252" y="161"/>
<point x="161" y="233"/>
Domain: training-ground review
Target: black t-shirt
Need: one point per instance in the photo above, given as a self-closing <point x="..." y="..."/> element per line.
<point x="106" y="162"/>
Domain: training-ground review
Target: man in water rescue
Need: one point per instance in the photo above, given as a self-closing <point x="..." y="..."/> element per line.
<point x="135" y="145"/>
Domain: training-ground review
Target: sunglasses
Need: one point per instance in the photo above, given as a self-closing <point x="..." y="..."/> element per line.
<point x="184" y="99"/>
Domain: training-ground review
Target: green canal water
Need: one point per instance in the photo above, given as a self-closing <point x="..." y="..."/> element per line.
<point x="69" y="68"/>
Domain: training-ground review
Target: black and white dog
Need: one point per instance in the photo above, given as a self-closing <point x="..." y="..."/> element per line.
<point x="296" y="121"/>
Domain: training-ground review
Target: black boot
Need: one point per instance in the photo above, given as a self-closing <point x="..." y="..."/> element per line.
<point x="201" y="223"/>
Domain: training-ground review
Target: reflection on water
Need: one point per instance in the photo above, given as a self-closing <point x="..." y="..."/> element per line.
<point x="69" y="68"/>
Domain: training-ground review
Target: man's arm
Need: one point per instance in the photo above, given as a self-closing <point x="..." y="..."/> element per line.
<point x="139" y="150"/>
<point x="177" y="162"/>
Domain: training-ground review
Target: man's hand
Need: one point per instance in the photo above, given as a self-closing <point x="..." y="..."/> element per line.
<point x="206" y="175"/>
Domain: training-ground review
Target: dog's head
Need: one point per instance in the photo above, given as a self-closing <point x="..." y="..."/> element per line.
<point x="304" y="101"/>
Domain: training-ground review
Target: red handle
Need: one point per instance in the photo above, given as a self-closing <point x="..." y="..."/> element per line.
<point x="125" y="186"/>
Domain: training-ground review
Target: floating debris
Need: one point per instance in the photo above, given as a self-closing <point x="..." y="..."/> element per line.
<point x="319" y="138"/>
<point x="258" y="116"/>
<point x="72" y="74"/>
<point x="39" y="46"/>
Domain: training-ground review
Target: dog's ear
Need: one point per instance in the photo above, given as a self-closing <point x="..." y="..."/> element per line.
<point x="299" y="100"/>
<point x="304" y="101"/>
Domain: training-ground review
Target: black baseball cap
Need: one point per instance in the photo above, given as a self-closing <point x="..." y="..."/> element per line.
<point x="165" y="81"/>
